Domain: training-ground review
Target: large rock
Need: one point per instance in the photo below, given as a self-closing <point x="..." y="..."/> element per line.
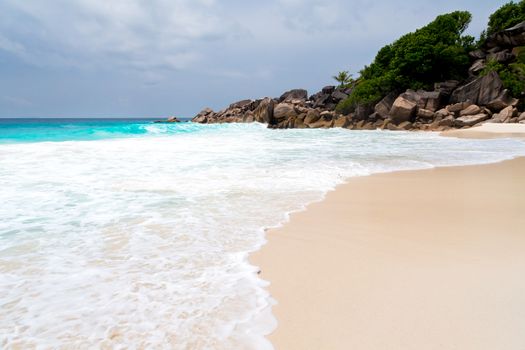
<point x="203" y="116"/>
<point x="312" y="116"/>
<point x="240" y="104"/>
<point x="406" y="125"/>
<point x="299" y="122"/>
<point x="447" y="121"/>
<point x="470" y="110"/>
<point x="283" y="111"/>
<point x="341" y="122"/>
<point x="168" y="120"/>
<point x="442" y="113"/>
<point x="338" y="95"/>
<point x="471" y="120"/>
<point x="477" y="67"/>
<point x="446" y="87"/>
<point x="425" y="114"/>
<point x="322" y="123"/>
<point x="511" y="37"/>
<point x="248" y="117"/>
<point x="430" y="100"/>
<point x="328" y="98"/>
<point x="480" y="91"/>
<point x="502" y="101"/>
<point x="328" y="89"/>
<point x="363" y="111"/>
<point x="321" y="99"/>
<point x="295" y="94"/>
<point x="458" y="107"/>
<point x="264" y="111"/>
<point x="402" y="110"/>
<point x="478" y="54"/>
<point x="173" y="120"/>
<point x="504" y="56"/>
<point x="505" y="115"/>
<point x="382" y="108"/>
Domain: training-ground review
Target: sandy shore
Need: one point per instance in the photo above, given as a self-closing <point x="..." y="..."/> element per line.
<point x="430" y="259"/>
<point x="489" y="130"/>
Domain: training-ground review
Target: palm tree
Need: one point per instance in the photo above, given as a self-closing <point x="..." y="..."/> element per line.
<point x="344" y="78"/>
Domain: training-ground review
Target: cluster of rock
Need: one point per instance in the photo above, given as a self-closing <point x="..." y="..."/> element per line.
<point x="169" y="120"/>
<point x="478" y="100"/>
<point x="503" y="47"/>
<point x="294" y="109"/>
<point x="482" y="100"/>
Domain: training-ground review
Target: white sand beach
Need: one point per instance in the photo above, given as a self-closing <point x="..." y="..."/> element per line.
<point x="429" y="259"/>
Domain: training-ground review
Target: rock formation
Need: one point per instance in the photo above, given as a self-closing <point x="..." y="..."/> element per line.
<point x="169" y="120"/>
<point x="479" y="99"/>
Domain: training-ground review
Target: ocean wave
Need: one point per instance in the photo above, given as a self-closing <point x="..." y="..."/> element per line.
<point x="143" y="240"/>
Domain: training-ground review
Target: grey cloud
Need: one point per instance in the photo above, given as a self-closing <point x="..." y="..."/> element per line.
<point x="156" y="33"/>
<point x="176" y="56"/>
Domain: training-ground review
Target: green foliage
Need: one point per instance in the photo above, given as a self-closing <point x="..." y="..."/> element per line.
<point x="519" y="51"/>
<point x="433" y="53"/>
<point x="365" y="92"/>
<point x="506" y="16"/>
<point x="512" y="76"/>
<point x="344" y="78"/>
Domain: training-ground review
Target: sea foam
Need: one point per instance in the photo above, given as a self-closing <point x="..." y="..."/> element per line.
<point x="143" y="242"/>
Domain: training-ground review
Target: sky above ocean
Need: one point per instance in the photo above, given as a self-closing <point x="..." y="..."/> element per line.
<point x="94" y="58"/>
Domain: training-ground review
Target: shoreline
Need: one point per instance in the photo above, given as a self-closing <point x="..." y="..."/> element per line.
<point x="364" y="271"/>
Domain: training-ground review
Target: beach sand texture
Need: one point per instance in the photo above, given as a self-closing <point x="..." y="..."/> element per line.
<point x="430" y="259"/>
<point x="489" y="130"/>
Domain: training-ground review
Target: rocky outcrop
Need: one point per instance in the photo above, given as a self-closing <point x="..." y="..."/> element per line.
<point x="452" y="104"/>
<point x="294" y="95"/>
<point x="263" y="113"/>
<point x="481" y="91"/>
<point x="470" y="110"/>
<point x="505" y="116"/>
<point x="329" y="97"/>
<point x="383" y="107"/>
<point x="169" y="120"/>
<point x="471" y="120"/>
<point x="403" y="109"/>
<point x="511" y="37"/>
<point x="503" y="100"/>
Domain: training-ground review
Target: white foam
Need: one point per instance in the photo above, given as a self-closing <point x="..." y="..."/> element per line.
<point x="144" y="242"/>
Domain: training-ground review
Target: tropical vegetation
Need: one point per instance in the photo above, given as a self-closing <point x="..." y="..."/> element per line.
<point x="506" y="16"/>
<point x="436" y="52"/>
<point x="344" y="78"/>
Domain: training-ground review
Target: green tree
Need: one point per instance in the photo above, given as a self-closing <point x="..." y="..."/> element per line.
<point x="343" y="78"/>
<point x="512" y="75"/>
<point x="505" y="17"/>
<point x="436" y="52"/>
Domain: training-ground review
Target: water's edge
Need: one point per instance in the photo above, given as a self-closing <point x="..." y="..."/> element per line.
<point x="270" y="322"/>
<point x="193" y="203"/>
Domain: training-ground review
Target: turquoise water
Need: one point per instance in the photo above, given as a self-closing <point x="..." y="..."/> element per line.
<point x="19" y="130"/>
<point x="124" y="234"/>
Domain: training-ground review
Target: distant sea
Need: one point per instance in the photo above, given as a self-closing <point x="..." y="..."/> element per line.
<point x="72" y="129"/>
<point x="122" y="233"/>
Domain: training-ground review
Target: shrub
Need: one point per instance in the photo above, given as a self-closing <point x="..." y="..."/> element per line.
<point x="512" y="76"/>
<point x="433" y="53"/>
<point x="344" y="78"/>
<point x="505" y="17"/>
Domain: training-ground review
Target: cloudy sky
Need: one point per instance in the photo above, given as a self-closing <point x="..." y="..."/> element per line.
<point x="118" y="58"/>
